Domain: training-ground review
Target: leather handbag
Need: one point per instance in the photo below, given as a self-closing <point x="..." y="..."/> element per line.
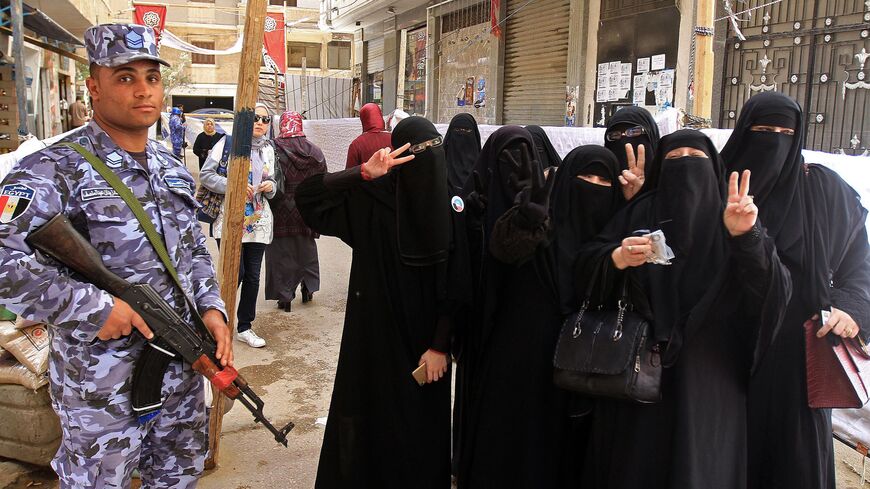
<point x="210" y="203"/>
<point x="607" y="353"/>
<point x="838" y="370"/>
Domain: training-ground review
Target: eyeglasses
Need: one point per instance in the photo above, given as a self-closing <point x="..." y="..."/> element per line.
<point x="631" y="132"/>
<point x="265" y="119"/>
<point x="432" y="143"/>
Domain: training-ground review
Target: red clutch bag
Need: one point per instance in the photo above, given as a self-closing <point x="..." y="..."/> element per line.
<point x="838" y="370"/>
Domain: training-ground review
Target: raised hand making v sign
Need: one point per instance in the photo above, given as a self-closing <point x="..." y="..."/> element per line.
<point x="381" y="162"/>
<point x="633" y="178"/>
<point x="740" y="212"/>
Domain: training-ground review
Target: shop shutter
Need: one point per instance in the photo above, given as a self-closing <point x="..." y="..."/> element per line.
<point x="536" y="62"/>
<point x="375" y="56"/>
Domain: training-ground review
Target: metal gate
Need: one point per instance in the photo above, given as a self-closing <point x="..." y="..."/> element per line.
<point x="536" y="62"/>
<point x="816" y="51"/>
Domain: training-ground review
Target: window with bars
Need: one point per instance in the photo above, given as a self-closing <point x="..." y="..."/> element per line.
<point x="282" y="3"/>
<point x="308" y="50"/>
<point x="467" y="17"/>
<point x="338" y="55"/>
<point x="203" y="59"/>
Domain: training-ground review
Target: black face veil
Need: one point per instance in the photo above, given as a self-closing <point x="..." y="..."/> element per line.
<point x="422" y="207"/>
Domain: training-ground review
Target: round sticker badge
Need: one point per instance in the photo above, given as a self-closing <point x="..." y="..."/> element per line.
<point x="457" y="203"/>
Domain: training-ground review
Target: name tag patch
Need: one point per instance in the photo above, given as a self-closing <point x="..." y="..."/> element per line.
<point x="175" y="182"/>
<point x="99" y="193"/>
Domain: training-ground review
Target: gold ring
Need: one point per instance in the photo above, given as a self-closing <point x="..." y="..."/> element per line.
<point x="849" y="331"/>
<point x="630" y="249"/>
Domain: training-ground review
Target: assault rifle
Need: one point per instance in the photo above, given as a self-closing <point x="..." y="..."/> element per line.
<point x="173" y="336"/>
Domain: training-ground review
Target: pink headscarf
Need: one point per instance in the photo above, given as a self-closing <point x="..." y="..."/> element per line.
<point x="291" y="125"/>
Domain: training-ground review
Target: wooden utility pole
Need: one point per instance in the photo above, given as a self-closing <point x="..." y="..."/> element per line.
<point x="703" y="75"/>
<point x="18" y="54"/>
<point x="237" y="184"/>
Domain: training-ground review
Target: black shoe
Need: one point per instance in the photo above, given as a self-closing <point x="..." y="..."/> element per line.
<point x="282" y="304"/>
<point x="287" y="306"/>
<point x="306" y="295"/>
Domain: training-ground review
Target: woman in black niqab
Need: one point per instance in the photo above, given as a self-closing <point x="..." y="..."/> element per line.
<point x="547" y="154"/>
<point x="580" y="209"/>
<point x="819" y="226"/>
<point x="399" y="307"/>
<point x="462" y="147"/>
<point x="697" y="308"/>
<point x="514" y="431"/>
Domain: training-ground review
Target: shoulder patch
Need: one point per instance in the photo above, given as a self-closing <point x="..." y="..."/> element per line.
<point x="94" y="193"/>
<point x="15" y="198"/>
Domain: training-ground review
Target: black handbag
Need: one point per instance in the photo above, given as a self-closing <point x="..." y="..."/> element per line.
<point x="607" y="353"/>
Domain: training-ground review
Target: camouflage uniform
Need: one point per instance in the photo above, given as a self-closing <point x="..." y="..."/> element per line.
<point x="176" y="132"/>
<point x="91" y="379"/>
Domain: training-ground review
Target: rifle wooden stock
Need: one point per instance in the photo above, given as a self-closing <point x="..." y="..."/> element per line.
<point x="60" y="239"/>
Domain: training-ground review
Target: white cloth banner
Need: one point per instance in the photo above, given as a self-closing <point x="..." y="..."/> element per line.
<point x="170" y="40"/>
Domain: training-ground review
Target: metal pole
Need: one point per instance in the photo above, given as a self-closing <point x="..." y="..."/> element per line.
<point x="18" y="54"/>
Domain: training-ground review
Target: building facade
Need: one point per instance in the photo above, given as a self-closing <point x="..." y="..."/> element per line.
<point x="542" y="62"/>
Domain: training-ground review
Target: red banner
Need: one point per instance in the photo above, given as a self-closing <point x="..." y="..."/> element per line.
<point x="275" y="52"/>
<point x="152" y="16"/>
<point x="493" y="17"/>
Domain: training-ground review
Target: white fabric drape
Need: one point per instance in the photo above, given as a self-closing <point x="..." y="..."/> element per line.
<point x="170" y="40"/>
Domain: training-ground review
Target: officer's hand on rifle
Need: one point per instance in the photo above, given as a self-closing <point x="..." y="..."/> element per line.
<point x="217" y="326"/>
<point x="121" y="322"/>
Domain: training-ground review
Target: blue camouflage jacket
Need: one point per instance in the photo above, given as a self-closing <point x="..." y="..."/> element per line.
<point x="58" y="180"/>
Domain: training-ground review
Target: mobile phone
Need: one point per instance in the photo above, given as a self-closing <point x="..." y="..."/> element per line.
<point x="420" y="374"/>
<point x="824" y="315"/>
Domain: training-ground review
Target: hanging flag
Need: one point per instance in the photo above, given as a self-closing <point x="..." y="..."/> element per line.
<point x="275" y="47"/>
<point x="151" y="15"/>
<point x="493" y="17"/>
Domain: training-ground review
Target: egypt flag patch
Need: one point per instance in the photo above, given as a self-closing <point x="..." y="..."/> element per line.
<point x="14" y="200"/>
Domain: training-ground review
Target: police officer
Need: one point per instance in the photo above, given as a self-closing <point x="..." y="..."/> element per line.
<point x="97" y="338"/>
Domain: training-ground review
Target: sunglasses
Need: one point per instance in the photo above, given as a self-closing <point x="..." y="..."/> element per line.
<point x="265" y="119"/>
<point x="631" y="132"/>
<point x="432" y="143"/>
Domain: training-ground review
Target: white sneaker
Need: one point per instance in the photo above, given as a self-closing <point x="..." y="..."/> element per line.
<point x="251" y="339"/>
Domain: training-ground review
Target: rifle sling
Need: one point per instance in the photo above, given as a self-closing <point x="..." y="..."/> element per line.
<point x="144" y="221"/>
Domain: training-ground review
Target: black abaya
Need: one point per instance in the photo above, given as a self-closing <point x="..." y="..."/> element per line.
<point x="819" y="227"/>
<point x="514" y="422"/>
<point x="384" y="430"/>
<point x="547" y="154"/>
<point x="709" y="304"/>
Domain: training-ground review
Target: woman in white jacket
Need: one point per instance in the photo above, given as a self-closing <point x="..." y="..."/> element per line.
<point x="258" y="217"/>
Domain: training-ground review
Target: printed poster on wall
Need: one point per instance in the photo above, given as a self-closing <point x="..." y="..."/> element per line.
<point x="625" y="69"/>
<point x="601" y="95"/>
<point x="658" y="62"/>
<point x="643" y="65"/>
<point x="639" y="93"/>
<point x="603" y="69"/>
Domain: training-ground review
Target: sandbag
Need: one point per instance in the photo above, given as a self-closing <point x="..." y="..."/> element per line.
<point x="12" y="372"/>
<point x="29" y="345"/>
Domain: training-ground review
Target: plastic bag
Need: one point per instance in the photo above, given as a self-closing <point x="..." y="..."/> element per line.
<point x="28" y="345"/>
<point x="12" y="372"/>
